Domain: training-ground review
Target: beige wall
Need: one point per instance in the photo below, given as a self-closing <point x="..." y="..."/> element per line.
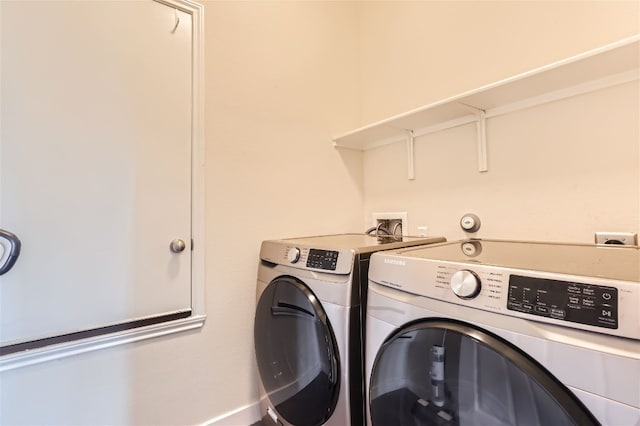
<point x="415" y="52"/>
<point x="280" y="80"/>
<point x="556" y="172"/>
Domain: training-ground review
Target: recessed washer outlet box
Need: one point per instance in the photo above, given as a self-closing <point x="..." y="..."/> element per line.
<point x="394" y="222"/>
<point x="617" y="238"/>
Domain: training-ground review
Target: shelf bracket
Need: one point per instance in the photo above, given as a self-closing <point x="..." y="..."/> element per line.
<point x="481" y="128"/>
<point x="411" y="175"/>
<point x="481" y="135"/>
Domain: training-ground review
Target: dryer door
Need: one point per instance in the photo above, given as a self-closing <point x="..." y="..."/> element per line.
<point x="445" y="372"/>
<point x="296" y="352"/>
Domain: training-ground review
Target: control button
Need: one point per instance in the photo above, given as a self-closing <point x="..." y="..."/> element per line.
<point x="293" y="255"/>
<point x="606" y="296"/>
<point x="574" y="289"/>
<point x="542" y="310"/>
<point x="465" y="284"/>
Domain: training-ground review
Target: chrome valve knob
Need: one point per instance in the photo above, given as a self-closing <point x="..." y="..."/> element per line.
<point x="465" y="284"/>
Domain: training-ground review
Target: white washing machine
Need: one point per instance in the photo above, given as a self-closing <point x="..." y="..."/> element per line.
<point x="308" y="326"/>
<point x="484" y="332"/>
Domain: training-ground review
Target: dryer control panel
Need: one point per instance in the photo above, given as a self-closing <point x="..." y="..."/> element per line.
<point x="322" y="259"/>
<point x="309" y="257"/>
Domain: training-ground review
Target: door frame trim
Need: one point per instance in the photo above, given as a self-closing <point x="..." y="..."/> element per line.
<point x="48" y="353"/>
<point x="198" y="314"/>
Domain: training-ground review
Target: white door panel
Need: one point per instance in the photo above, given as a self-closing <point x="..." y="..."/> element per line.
<point x="95" y="164"/>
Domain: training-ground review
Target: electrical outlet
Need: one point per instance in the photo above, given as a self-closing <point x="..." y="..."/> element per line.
<point x="394" y="222"/>
<point x="422" y="231"/>
<point x="619" y="238"/>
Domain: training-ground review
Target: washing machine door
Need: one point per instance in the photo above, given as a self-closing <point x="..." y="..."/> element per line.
<point x="296" y="352"/>
<point x="446" y="372"/>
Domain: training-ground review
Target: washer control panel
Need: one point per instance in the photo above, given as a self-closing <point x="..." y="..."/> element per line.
<point x="569" y="301"/>
<point x="593" y="303"/>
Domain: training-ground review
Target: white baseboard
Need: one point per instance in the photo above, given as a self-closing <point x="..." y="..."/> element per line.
<point x="243" y="416"/>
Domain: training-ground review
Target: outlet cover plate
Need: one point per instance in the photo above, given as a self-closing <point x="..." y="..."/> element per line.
<point x="392" y="215"/>
<point x="624" y="238"/>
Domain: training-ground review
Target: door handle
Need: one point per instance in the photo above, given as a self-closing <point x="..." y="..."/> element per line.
<point x="177" y="245"/>
<point x="10" y="250"/>
<point x="284" y="308"/>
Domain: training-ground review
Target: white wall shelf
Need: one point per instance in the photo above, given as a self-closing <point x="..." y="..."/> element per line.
<point x="607" y="66"/>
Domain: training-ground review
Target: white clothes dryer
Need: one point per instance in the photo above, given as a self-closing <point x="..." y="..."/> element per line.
<point x="487" y="332"/>
<point x="308" y="330"/>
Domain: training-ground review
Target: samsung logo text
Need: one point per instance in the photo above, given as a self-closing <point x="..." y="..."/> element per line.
<point x="395" y="262"/>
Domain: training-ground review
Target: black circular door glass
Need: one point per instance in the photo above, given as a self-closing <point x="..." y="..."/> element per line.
<point x="296" y="352"/>
<point x="445" y="372"/>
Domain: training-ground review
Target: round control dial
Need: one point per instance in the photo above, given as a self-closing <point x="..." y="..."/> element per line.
<point x="293" y="255"/>
<point x="470" y="222"/>
<point x="465" y="284"/>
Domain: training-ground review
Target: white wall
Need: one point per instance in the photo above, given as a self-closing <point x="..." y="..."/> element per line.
<point x="557" y="172"/>
<point x="281" y="79"/>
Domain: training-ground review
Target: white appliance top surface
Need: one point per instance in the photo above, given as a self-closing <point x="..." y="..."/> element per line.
<point x="363" y="243"/>
<point x="598" y="261"/>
